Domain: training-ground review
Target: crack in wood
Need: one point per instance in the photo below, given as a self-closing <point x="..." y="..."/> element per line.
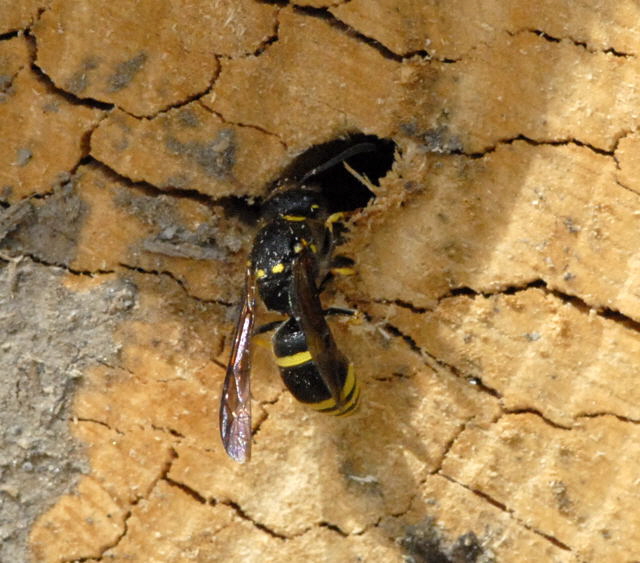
<point x="161" y="476"/>
<point x="534" y="143"/>
<point x="70" y="98"/>
<point x="437" y="364"/>
<point x="151" y="190"/>
<point x="605" y="414"/>
<point x="177" y="280"/>
<point x="511" y="290"/>
<point x="76" y="419"/>
<point x="625" y="187"/>
<point x="449" y="445"/>
<point x="99" y="272"/>
<point x="164" y="470"/>
<point x="535" y="412"/>
<point x="325" y="14"/>
<point x="333" y="527"/>
<point x="172" y="431"/>
<point x="510" y="512"/>
<point x="195" y="495"/>
<point x="552" y="39"/>
<point x="574" y="300"/>
<point x="244" y="516"/>
<point x="65" y="267"/>
<point x="226" y="121"/>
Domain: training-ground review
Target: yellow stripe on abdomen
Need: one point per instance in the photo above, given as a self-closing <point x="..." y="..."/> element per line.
<point x="352" y="406"/>
<point x="349" y="382"/>
<point x="325" y="406"/>
<point x="350" y="393"/>
<point x="294" y="360"/>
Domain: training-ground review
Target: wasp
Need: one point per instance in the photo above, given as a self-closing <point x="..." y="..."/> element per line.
<point x="292" y="255"/>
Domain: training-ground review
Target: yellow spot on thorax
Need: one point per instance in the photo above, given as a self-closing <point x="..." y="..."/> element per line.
<point x="304" y="242"/>
<point x="278" y="268"/>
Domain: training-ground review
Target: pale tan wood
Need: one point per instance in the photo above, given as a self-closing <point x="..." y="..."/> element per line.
<point x="498" y="267"/>
<point x="190" y="148"/>
<point x="41" y="130"/>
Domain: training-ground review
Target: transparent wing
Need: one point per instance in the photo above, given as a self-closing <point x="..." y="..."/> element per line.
<point x="235" y="403"/>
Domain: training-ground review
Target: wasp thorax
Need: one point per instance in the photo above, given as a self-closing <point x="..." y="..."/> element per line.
<point x="294" y="201"/>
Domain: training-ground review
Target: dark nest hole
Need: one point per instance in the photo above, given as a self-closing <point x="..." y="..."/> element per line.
<point x="343" y="191"/>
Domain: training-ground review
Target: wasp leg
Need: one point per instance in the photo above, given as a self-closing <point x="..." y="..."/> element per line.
<point x="356" y="316"/>
<point x="267" y="327"/>
<point x="342" y="266"/>
<point x="340" y="311"/>
<point x="260" y="337"/>
<point x="334" y="218"/>
<point x="342" y="271"/>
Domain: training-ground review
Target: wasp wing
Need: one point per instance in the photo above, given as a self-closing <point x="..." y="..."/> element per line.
<point x="235" y="403"/>
<point x="308" y="313"/>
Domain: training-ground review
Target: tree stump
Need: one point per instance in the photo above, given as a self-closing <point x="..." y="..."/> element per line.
<point x="497" y="277"/>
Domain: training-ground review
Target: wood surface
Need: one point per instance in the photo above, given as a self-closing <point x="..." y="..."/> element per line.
<point x="498" y="280"/>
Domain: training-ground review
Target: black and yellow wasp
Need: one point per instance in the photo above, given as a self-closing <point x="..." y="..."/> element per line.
<point x="291" y="256"/>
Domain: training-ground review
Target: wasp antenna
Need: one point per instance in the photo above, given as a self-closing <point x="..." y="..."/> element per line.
<point x="348" y="153"/>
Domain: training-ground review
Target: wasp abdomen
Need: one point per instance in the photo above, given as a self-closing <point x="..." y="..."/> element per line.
<point x="301" y="376"/>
